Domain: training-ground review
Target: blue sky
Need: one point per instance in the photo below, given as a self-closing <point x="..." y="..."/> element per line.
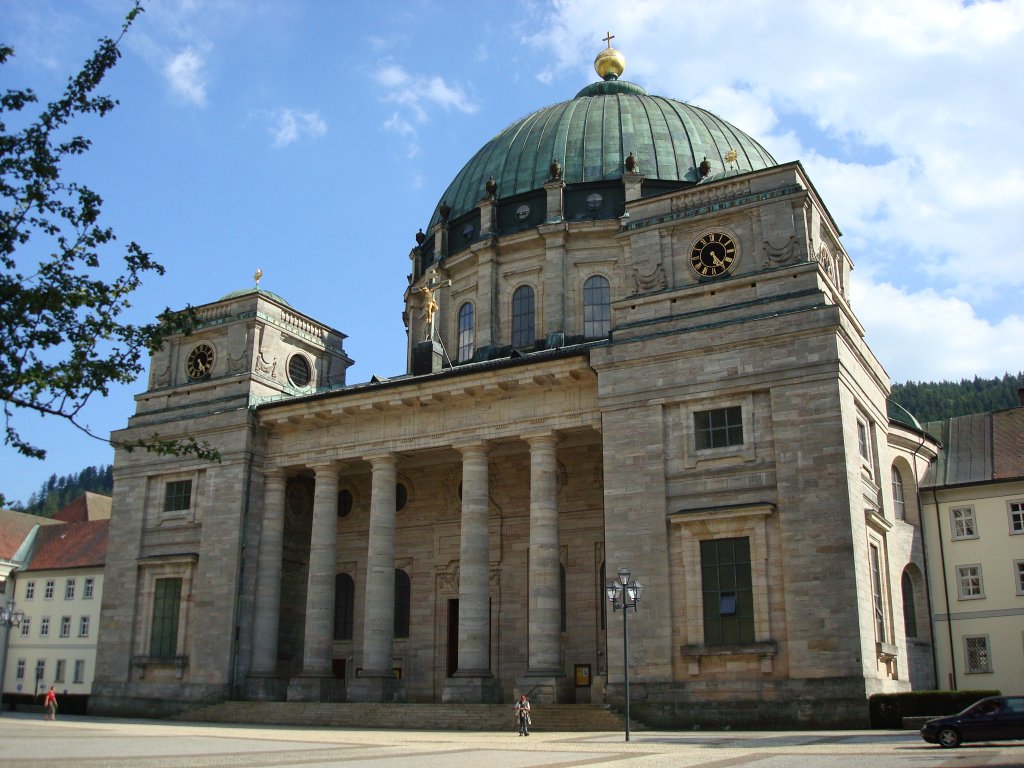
<point x="312" y="139"/>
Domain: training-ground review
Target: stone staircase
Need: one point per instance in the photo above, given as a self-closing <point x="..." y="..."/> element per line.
<point x="458" y="717"/>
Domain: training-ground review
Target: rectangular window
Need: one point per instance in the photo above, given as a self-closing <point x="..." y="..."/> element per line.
<point x="163" y="642"/>
<point x="977" y="655"/>
<point x="727" y="590"/>
<point x="83" y="626"/>
<point x="79" y="671"/>
<point x="44" y="626"/>
<point x="1016" y="517"/>
<point x="969" y="584"/>
<point x="65" y="626"/>
<point x="862" y="440"/>
<point x="20" y="674"/>
<point x="58" y="676"/>
<point x="718" y="428"/>
<point x="878" y="603"/>
<point x="48" y="593"/>
<point x="964" y="526"/>
<point x="87" y="589"/>
<point x="26" y="626"/>
<point x="40" y="669"/>
<point x="178" y="496"/>
<point x="69" y="589"/>
<point x="1018" y="570"/>
<point x="30" y="590"/>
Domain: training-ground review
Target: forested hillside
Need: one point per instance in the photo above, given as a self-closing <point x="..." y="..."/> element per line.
<point x="58" y="492"/>
<point x="932" y="401"/>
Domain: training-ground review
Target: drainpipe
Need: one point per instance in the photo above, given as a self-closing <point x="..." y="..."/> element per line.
<point x="945" y="587"/>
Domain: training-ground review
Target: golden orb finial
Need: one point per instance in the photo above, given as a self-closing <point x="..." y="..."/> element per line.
<point x="609" y="63"/>
<point x="257" y="276"/>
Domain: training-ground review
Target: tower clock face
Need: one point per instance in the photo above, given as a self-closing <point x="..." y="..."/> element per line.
<point x="200" y="361"/>
<point x="713" y="255"/>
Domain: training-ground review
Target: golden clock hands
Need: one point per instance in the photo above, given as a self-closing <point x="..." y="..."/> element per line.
<point x="717" y="261"/>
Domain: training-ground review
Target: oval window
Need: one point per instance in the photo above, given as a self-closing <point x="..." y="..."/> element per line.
<point x="594" y="201"/>
<point x="298" y="371"/>
<point x="523" y="212"/>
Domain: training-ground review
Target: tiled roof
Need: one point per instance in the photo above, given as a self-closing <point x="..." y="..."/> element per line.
<point x="73" y="545"/>
<point x="88" y="506"/>
<point x="1008" y="444"/>
<point x="14" y="527"/>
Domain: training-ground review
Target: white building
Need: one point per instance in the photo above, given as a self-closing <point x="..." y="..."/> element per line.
<point x="973" y="503"/>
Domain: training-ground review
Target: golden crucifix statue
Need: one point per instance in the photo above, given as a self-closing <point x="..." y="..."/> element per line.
<point x="430" y="305"/>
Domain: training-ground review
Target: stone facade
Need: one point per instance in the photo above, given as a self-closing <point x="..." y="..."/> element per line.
<point x="446" y="535"/>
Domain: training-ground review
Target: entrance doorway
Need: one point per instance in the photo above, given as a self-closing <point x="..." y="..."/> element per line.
<point x="453" y="637"/>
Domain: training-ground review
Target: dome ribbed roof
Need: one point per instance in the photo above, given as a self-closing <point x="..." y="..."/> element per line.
<point x="592" y="135"/>
<point x="246" y="291"/>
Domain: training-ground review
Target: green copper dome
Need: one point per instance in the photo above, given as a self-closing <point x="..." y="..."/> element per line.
<point x="593" y="134"/>
<point x="247" y="291"/>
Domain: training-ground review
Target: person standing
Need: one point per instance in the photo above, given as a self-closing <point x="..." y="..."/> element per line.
<point x="50" y="704"/>
<point x="522" y="715"/>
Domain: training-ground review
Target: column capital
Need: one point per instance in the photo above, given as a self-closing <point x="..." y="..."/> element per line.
<point x="473" y="448"/>
<point x="324" y="467"/>
<point x="382" y="459"/>
<point x="274" y="475"/>
<point x="541" y="439"/>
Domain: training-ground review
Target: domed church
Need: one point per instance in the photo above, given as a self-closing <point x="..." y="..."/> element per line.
<point x="637" y="398"/>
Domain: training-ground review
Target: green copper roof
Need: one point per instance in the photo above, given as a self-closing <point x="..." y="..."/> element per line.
<point x="246" y="291"/>
<point x="592" y="135"/>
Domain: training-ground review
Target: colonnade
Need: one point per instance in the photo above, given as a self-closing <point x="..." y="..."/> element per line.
<point x="473" y="680"/>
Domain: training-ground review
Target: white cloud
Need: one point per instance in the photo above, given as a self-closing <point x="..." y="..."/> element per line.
<point x="288" y="126"/>
<point x="184" y="73"/>
<point x="398" y="124"/>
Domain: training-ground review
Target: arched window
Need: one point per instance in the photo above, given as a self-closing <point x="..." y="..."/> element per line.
<point x="403" y="602"/>
<point x="523" y="333"/>
<point x="597" y="308"/>
<point x="909" y="609"/>
<point x="466" y="331"/>
<point x="897" y="494"/>
<point x="344" y="606"/>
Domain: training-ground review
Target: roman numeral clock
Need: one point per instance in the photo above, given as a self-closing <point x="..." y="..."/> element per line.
<point x="713" y="255"/>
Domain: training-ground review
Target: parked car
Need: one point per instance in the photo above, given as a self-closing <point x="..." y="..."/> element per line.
<point x="997" y="718"/>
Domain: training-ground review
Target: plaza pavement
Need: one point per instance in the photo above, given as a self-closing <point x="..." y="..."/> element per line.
<point x="27" y="741"/>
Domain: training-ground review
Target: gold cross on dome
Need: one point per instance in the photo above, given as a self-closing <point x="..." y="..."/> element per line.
<point x="608" y="37"/>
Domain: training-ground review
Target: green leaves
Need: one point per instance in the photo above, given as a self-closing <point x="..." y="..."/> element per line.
<point x="61" y="339"/>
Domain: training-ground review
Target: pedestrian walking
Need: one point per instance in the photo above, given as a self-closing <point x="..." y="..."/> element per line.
<point x="521" y="712"/>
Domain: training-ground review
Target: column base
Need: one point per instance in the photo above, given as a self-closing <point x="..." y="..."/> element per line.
<point x="263" y="687"/>
<point x="471" y="689"/>
<point x="540" y="688"/>
<point x="375" y="689"/>
<point x="314" y="688"/>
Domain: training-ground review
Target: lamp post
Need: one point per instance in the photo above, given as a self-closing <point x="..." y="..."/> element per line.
<point x="625" y="594"/>
<point x="9" y="617"/>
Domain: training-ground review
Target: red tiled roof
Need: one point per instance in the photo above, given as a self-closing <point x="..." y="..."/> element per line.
<point x="73" y="545"/>
<point x="88" y="506"/>
<point x="14" y="527"/>
<point x="1008" y="444"/>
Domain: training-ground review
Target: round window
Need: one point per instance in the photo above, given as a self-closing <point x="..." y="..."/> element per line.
<point x="344" y="502"/>
<point x="594" y="201"/>
<point x="523" y="212"/>
<point x="467" y="232"/>
<point x="298" y="371"/>
<point x="200" y="361"/>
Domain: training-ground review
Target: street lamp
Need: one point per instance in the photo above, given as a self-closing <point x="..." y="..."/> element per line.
<point x="9" y="617"/>
<point x="625" y="594"/>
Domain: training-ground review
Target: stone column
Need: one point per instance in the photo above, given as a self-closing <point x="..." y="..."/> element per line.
<point x="317" y="681"/>
<point x="545" y="599"/>
<point x="376" y="681"/>
<point x="474" y="681"/>
<point x="267" y="607"/>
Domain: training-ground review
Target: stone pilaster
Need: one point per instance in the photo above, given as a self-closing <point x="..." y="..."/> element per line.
<point x="376" y="681"/>
<point x="317" y="680"/>
<point x="267" y="607"/>
<point x="545" y="639"/>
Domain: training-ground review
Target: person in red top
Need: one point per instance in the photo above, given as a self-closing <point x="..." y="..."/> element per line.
<point x="50" y="703"/>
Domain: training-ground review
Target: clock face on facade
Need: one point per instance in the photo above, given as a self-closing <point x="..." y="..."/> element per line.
<point x="713" y="255"/>
<point x="200" y="361"/>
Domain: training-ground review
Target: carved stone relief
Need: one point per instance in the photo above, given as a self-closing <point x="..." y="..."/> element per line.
<point x="777" y="254"/>
<point x="655" y="281"/>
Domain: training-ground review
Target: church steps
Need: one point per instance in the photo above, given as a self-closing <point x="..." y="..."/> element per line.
<point x="459" y="717"/>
